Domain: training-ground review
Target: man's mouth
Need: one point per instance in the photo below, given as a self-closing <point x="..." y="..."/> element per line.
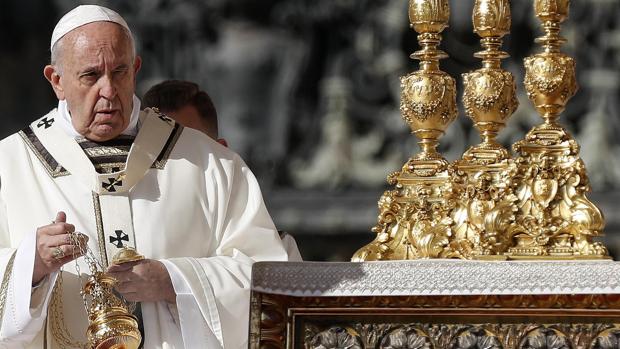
<point x="107" y="112"/>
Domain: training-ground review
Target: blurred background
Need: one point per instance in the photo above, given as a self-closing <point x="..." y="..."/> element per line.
<point x="307" y="91"/>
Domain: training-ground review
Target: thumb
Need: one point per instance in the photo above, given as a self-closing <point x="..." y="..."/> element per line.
<point x="61" y="217"/>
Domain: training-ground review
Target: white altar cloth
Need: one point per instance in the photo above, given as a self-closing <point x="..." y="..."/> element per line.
<point x="436" y="277"/>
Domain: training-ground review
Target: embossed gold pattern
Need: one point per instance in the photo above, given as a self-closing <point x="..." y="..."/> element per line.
<point x="388" y="322"/>
<point x="483" y="219"/>
<point x="414" y="219"/>
<point x="461" y="336"/>
<point x="488" y="205"/>
<point x="558" y="220"/>
<point x="110" y="322"/>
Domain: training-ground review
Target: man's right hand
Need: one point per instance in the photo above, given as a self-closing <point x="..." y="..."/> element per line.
<point x="54" y="247"/>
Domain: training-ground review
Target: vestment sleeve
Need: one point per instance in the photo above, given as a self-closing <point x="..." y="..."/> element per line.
<point x="23" y="308"/>
<point x="220" y="284"/>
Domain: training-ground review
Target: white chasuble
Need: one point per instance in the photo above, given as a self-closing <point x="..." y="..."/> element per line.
<point x="172" y="193"/>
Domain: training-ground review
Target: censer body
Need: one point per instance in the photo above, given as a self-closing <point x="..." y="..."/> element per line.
<point x="110" y="322"/>
<point x="111" y="326"/>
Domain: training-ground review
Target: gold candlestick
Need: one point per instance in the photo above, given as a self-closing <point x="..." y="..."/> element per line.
<point x="414" y="220"/>
<point x="551" y="182"/>
<point x="484" y="216"/>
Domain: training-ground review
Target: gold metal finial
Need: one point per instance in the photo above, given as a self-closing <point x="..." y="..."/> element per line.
<point x="551" y="183"/>
<point x="126" y="255"/>
<point x="483" y="217"/>
<point x="414" y="218"/>
<point x="491" y="18"/>
<point x="552" y="10"/>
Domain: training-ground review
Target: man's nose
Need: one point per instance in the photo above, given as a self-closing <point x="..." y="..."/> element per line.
<point x="107" y="90"/>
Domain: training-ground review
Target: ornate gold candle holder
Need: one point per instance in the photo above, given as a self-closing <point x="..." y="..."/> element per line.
<point x="558" y="220"/>
<point x="414" y="219"/>
<point x="484" y="215"/>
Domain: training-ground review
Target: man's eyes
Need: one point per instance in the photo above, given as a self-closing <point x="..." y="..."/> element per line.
<point x="89" y="75"/>
<point x="88" y="78"/>
<point x="93" y="76"/>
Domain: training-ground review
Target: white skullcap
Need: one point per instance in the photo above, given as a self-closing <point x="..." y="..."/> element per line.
<point x="82" y="15"/>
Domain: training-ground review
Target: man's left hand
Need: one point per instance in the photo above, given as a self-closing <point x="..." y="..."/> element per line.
<point x="143" y="281"/>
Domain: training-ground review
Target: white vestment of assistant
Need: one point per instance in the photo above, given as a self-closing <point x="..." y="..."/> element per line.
<point x="180" y="198"/>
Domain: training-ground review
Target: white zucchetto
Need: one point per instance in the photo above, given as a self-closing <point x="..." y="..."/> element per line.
<point x="82" y="15"/>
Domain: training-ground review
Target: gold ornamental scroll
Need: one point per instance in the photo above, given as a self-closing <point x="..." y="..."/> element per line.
<point x="488" y="205"/>
<point x="414" y="220"/>
<point x="558" y="221"/>
<point x="483" y="219"/>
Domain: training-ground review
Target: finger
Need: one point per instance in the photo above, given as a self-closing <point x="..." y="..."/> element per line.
<point x="132" y="296"/>
<point x="115" y="268"/>
<point x="58" y="240"/>
<point x="65" y="260"/>
<point x="60" y="217"/>
<point x="69" y="228"/>
<point x="122" y="276"/>
<point x="57" y="254"/>
<point x="79" y="239"/>
<point x="58" y="228"/>
<point x="126" y="287"/>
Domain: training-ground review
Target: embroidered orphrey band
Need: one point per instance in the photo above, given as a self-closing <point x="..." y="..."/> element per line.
<point x="100" y="234"/>
<point x="105" y="160"/>
<point x="4" y="287"/>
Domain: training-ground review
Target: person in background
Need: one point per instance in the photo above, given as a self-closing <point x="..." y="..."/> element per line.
<point x="190" y="106"/>
<point x="186" y="103"/>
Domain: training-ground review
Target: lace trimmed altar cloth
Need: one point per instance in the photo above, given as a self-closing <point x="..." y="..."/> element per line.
<point x="436" y="277"/>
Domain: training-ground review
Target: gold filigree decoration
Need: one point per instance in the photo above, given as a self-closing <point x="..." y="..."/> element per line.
<point x="488" y="205"/>
<point x="484" y="214"/>
<point x="545" y="338"/>
<point x="333" y="338"/>
<point x="408" y="337"/>
<point x="414" y="220"/>
<point x="551" y="181"/>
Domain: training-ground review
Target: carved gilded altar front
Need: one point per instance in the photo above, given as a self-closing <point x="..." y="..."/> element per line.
<point x="436" y="304"/>
<point x="519" y="322"/>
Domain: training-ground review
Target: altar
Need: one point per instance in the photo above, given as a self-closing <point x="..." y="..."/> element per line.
<point x="436" y="304"/>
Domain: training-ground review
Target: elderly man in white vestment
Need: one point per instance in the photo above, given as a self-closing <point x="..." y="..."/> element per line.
<point x="122" y="177"/>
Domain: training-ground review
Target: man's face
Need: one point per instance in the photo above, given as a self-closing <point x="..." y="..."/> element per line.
<point x="96" y="75"/>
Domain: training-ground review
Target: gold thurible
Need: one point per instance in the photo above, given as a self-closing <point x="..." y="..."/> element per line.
<point x="558" y="220"/>
<point x="111" y="325"/>
<point x="484" y="213"/>
<point x="414" y="217"/>
<point x="110" y="322"/>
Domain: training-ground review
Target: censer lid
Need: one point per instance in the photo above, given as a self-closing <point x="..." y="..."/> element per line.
<point x="125" y="255"/>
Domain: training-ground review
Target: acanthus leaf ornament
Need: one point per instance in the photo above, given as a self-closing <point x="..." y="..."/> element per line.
<point x="486" y="202"/>
<point x="488" y="205"/>
<point x="414" y="220"/>
<point x="551" y="180"/>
